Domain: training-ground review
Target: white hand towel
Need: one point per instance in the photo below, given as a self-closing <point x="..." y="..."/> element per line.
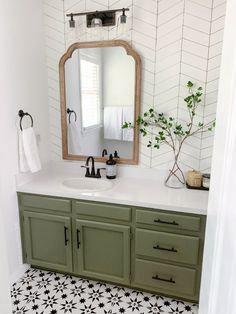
<point x="113" y="123"/>
<point x="74" y="140"/>
<point x="128" y="116"/>
<point x="23" y="165"/>
<point x="31" y="149"/>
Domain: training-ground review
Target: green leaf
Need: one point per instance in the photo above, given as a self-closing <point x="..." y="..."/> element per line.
<point x="143" y="132"/>
<point x="178" y="127"/>
<point x="125" y="125"/>
<point x="189" y="84"/>
<point x="198" y="94"/>
<point x="140" y="120"/>
<point x="188" y="98"/>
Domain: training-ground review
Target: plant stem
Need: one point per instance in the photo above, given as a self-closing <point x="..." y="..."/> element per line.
<point x="175" y="168"/>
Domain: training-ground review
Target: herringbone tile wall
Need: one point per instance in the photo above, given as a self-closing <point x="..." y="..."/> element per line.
<point x="178" y="40"/>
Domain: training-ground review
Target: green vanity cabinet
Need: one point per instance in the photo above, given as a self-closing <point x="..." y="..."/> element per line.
<point x="48" y="241"/>
<point x="103" y="251"/>
<point x="154" y="250"/>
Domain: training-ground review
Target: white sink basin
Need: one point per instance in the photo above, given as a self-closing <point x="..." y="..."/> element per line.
<point x="87" y="184"/>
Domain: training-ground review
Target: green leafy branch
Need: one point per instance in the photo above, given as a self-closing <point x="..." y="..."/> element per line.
<point x="167" y="130"/>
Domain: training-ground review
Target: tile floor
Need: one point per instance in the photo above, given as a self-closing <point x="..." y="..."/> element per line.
<point x="45" y="292"/>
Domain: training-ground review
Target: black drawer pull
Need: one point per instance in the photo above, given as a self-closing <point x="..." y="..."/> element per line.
<point x="163" y="279"/>
<point x="65" y="235"/>
<point x="78" y="242"/>
<point x="166" y="222"/>
<point x="157" y="247"/>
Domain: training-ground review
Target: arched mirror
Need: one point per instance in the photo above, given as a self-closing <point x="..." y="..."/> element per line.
<point x="100" y="90"/>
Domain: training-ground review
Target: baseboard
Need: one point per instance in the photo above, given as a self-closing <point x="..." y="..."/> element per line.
<point x="19" y="273"/>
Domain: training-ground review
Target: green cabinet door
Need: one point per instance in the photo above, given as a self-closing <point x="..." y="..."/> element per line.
<point x="48" y="241"/>
<point x="103" y="251"/>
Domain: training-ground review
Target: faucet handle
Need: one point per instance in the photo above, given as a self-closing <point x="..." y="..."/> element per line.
<point x="98" y="175"/>
<point x="87" y="174"/>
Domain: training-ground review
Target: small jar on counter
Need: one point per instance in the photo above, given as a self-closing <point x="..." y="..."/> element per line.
<point x="194" y="178"/>
<point x="206" y="177"/>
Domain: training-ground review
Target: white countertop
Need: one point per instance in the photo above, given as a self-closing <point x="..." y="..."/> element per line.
<point x="139" y="188"/>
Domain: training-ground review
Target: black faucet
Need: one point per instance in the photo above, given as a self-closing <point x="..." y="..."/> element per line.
<point x="90" y="173"/>
<point x="104" y="152"/>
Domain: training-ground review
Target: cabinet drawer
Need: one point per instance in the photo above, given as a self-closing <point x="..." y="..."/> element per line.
<point x="170" y="221"/>
<point x="167" y="278"/>
<point x="168" y="246"/>
<point x="45" y="202"/>
<point x="103" y="210"/>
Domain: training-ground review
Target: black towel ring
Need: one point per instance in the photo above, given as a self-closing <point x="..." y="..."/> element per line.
<point x="69" y="112"/>
<point x="21" y="114"/>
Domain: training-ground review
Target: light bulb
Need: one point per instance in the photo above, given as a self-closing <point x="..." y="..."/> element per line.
<point x="121" y="26"/>
<point x="72" y="22"/>
<point x="96" y="22"/>
<point x="123" y="17"/>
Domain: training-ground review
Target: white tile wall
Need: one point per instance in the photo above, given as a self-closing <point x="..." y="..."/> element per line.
<point x="178" y="40"/>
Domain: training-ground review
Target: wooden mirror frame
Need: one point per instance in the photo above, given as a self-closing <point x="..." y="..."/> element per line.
<point x="100" y="44"/>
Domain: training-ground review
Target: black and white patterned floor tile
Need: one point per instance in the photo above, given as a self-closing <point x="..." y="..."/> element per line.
<point x="43" y="292"/>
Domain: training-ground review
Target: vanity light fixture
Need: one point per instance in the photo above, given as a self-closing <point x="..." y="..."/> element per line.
<point x="100" y="18"/>
<point x="72" y="21"/>
<point x="123" y="17"/>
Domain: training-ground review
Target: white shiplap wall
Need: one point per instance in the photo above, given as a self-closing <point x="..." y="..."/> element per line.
<point x="178" y="40"/>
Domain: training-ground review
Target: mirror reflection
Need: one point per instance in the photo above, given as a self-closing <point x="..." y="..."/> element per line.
<point x="100" y="97"/>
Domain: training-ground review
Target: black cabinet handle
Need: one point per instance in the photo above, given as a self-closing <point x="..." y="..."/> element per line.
<point x="78" y="242"/>
<point x="65" y="235"/>
<point x="163" y="279"/>
<point x="166" y="222"/>
<point x="157" y="247"/>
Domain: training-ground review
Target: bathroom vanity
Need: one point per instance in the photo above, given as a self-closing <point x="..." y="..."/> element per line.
<point x="151" y="248"/>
